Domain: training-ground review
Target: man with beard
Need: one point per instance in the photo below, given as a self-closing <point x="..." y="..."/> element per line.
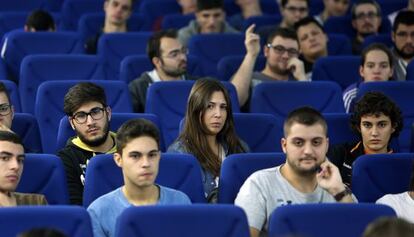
<point x="306" y="177"/>
<point x="403" y="37"/>
<point x="366" y="20"/>
<point x="89" y="115"/>
<point x="169" y="58"/>
<point x="282" y="63"/>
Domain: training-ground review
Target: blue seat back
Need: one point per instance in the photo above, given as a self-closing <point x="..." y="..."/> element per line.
<point x="292" y="220"/>
<point x="154" y="13"/>
<point x="380" y="38"/>
<point x="36" y="69"/>
<point x="177" y="171"/>
<point x="339" y="128"/>
<point x="237" y="168"/>
<point x="11" y="21"/>
<point x="228" y="66"/>
<point x="73" y="221"/>
<point x="44" y="174"/>
<point x="72" y="11"/>
<point x="281" y="98"/>
<point x="339" y="44"/>
<point x="262" y="20"/>
<point x="26" y="126"/>
<point x="375" y="175"/>
<point x="176" y="20"/>
<point x="410" y="71"/>
<point x="343" y="25"/>
<point x="14" y="94"/>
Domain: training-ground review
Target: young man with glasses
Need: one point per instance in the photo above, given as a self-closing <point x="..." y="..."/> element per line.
<point x="366" y="20"/>
<point x="282" y="63"/>
<point x="403" y="37"/>
<point x="292" y="11"/>
<point x="89" y="115"/>
<point x="169" y="58"/>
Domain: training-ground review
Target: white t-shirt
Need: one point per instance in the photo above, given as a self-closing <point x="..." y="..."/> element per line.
<point x="402" y="204"/>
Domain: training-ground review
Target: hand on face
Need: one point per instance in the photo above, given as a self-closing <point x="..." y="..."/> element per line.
<point x="297" y="68"/>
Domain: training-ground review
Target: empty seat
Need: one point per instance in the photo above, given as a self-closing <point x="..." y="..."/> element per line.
<point x="177" y="171"/>
<point x="44" y="174"/>
<point x="228" y="66"/>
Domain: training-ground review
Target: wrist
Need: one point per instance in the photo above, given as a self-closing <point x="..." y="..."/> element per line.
<point x="340" y="195"/>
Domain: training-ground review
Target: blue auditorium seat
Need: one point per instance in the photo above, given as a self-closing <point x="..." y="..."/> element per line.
<point x="380" y="38"/>
<point x="73" y="221"/>
<point x="26" y="126"/>
<point x="263" y="20"/>
<point x="49" y="105"/>
<point x="401" y="92"/>
<point x="375" y="175"/>
<point x="183" y="220"/>
<point x="210" y="48"/>
<point x="343" y="70"/>
<point x="112" y="48"/>
<point x="11" y="21"/>
<point x="168" y="100"/>
<point x="133" y="66"/>
<point x="228" y="66"/>
<point x="339" y="128"/>
<point x="339" y="44"/>
<point x="3" y="70"/>
<point x="281" y="98"/>
<point x="177" y="171"/>
<point x="236" y="168"/>
<point x="14" y="95"/>
<point x="44" y="174"/>
<point x="176" y="21"/>
<point x="72" y="11"/>
<point x="325" y="219"/>
<point x="154" y="10"/>
<point x="65" y="131"/>
<point x="36" y="69"/>
<point x="21" y="44"/>
<point x="24" y="5"/>
<point x="410" y="71"/>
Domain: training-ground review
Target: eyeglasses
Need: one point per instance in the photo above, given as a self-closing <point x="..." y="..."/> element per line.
<point x="96" y="114"/>
<point x="297" y="9"/>
<point x="279" y="49"/>
<point x="404" y="34"/>
<point x="5" y="109"/>
<point x="175" y="53"/>
<point x="363" y="15"/>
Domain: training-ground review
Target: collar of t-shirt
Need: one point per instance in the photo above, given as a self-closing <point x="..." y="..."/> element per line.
<point x="156" y="78"/>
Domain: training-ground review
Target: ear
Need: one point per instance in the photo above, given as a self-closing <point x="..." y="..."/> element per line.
<point x="109" y="112"/>
<point x="105" y="4"/>
<point x="26" y="28"/>
<point x="71" y="122"/>
<point x="283" y="143"/>
<point x="327" y="144"/>
<point x="118" y="159"/>
<point x="361" y="71"/>
<point x="156" y="61"/>
<point x="12" y="112"/>
<point x="354" y="24"/>
<point x="266" y="51"/>
<point x="393" y="36"/>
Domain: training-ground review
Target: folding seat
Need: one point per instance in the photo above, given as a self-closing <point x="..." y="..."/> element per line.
<point x="339" y="44"/>
<point x="72" y="10"/>
<point x="210" y="48"/>
<point x="154" y="13"/>
<point x="281" y="98"/>
<point x="49" y="105"/>
<point x="325" y="219"/>
<point x="23" y="5"/>
<point x="21" y="44"/>
<point x="200" y="220"/>
<point x="410" y="71"/>
<point x="91" y="24"/>
<point x="133" y="66"/>
<point x="177" y="171"/>
<point x="14" y="94"/>
<point x="343" y="70"/>
<point x="36" y="69"/>
<point x="401" y="92"/>
<point x="343" y="25"/>
<point x="44" y="174"/>
<point x="3" y="70"/>
<point x="376" y="175"/>
<point x="11" y="21"/>
<point x="380" y="38"/>
<point x="73" y="221"/>
<point x="263" y="20"/>
<point x="176" y="20"/>
<point x="65" y="131"/>
<point x="168" y="100"/>
<point x="236" y="168"/>
<point x="112" y="48"/>
<point x="339" y="129"/>
<point x="26" y="126"/>
<point x="228" y="66"/>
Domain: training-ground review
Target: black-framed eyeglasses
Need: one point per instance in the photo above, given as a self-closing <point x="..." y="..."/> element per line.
<point x="95" y="113"/>
<point x="279" y="49"/>
<point x="5" y="109"/>
<point x="175" y="53"/>
<point x="404" y="34"/>
<point x="369" y="15"/>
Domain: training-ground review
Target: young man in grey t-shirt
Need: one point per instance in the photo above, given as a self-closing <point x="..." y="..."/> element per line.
<point x="306" y="177"/>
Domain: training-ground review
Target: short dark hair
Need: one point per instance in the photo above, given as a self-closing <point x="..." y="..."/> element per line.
<point x="82" y="93"/>
<point x="10" y="137"/>
<point x="360" y="2"/>
<point x="377" y="46"/>
<point x="40" y="20"/>
<point x="209" y="4"/>
<point x="4" y="90"/>
<point x="135" y="128"/>
<point x="282" y="32"/>
<point x="304" y="115"/>
<point x="306" y="21"/>
<point x="403" y="17"/>
<point x="154" y="42"/>
<point x="376" y="103"/>
<point x="284" y="2"/>
<point x="389" y="226"/>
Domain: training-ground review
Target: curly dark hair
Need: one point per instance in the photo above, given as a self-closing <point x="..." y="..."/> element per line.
<point x="376" y="103"/>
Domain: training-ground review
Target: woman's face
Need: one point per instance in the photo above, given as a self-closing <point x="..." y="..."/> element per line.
<point x="215" y="115"/>
<point x="376" y="67"/>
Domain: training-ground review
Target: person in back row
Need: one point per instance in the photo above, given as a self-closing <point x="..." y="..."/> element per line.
<point x="138" y="155"/>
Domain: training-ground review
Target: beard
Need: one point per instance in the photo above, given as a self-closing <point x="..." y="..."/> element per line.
<point x="175" y="72"/>
<point x="98" y="140"/>
<point x="278" y="70"/>
<point x="305" y="172"/>
<point x="403" y="54"/>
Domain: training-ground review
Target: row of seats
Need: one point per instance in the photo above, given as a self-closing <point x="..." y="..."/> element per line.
<point x="200" y="220"/>
<point x="167" y="100"/>
<point x="373" y="175"/>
